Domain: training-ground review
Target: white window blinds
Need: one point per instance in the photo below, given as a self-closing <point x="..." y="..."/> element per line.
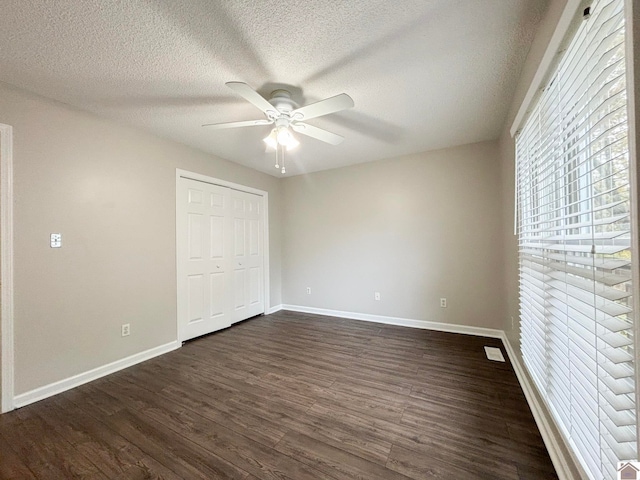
<point x="573" y="205"/>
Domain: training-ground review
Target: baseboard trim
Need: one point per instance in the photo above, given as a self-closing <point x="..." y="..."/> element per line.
<point x="75" y="381"/>
<point x="402" y="322"/>
<point x="274" y="309"/>
<point x="558" y="458"/>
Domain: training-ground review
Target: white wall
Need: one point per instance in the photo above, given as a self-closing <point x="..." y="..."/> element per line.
<point x="110" y="190"/>
<point x="414" y="228"/>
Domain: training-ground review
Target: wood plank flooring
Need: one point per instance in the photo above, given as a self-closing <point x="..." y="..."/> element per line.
<point x="289" y="396"/>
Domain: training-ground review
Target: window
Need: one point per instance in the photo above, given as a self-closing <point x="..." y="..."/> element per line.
<point x="574" y="215"/>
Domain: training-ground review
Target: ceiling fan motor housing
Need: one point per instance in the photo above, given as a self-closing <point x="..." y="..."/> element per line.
<point x="281" y="99"/>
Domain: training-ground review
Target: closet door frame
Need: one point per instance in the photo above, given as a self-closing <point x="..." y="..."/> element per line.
<point x="265" y="225"/>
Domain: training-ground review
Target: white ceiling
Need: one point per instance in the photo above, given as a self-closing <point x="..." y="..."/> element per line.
<point x="424" y="74"/>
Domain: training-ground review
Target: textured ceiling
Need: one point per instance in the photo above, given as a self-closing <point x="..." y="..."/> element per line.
<point x="424" y="74"/>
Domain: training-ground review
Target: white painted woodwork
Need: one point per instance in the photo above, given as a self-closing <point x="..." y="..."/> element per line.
<point x="220" y="263"/>
<point x="6" y="270"/>
<point x="248" y="255"/>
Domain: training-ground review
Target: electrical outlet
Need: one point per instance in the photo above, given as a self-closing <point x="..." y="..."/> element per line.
<point x="376" y="296"/>
<point x="443" y="302"/>
<point x="56" y="240"/>
<point x="126" y="329"/>
<point x="308" y="290"/>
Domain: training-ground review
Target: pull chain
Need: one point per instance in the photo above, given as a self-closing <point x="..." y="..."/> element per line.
<point x="283" y="169"/>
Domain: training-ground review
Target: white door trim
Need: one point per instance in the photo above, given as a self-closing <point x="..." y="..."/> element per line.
<point x="242" y="188"/>
<point x="6" y="266"/>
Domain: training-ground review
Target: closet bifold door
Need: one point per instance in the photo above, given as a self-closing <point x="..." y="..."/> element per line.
<point x="248" y="258"/>
<point x="220" y="257"/>
<point x="204" y="251"/>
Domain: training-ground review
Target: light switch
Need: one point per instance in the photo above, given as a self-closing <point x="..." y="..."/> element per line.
<point x="56" y="240"/>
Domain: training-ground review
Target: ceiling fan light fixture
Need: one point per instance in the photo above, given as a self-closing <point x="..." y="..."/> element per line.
<point x="271" y="140"/>
<point x="293" y="143"/>
<point x="281" y="136"/>
<point x="286" y="139"/>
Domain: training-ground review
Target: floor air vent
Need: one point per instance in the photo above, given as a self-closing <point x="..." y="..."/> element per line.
<point x="494" y="353"/>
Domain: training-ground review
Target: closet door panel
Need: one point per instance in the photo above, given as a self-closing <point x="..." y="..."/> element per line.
<point x="203" y="239"/>
<point x="248" y="255"/>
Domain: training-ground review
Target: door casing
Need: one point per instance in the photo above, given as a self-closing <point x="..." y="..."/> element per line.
<point x="6" y="268"/>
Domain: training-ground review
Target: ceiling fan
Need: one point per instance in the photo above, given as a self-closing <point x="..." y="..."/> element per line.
<point x="282" y="112"/>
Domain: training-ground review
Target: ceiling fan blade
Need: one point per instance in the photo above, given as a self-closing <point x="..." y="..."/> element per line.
<point x="251" y="96"/>
<point x="317" y="133"/>
<point x="248" y="123"/>
<point x="324" y="107"/>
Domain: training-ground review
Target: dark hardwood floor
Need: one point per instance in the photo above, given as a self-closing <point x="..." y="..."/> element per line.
<point x="289" y="396"/>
